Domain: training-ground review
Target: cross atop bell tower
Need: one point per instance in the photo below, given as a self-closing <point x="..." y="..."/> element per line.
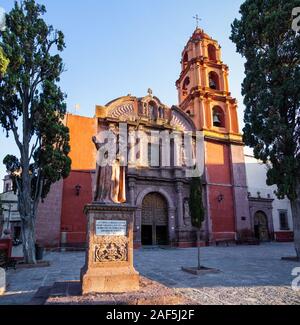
<point x="197" y="20"/>
<point x="203" y="87"/>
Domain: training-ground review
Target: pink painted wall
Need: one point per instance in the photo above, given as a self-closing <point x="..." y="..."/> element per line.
<point x="49" y="217"/>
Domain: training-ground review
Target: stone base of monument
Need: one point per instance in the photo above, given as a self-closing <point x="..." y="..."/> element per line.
<point x="2" y="281"/>
<point x="110" y="280"/>
<point x="109" y="257"/>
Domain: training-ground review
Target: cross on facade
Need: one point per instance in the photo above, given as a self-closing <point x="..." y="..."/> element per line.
<point x="198" y="19"/>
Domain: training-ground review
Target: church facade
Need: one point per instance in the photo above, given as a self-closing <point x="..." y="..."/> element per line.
<point x="161" y="192"/>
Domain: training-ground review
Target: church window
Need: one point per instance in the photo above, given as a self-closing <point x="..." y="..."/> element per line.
<point x="161" y="112"/>
<point x="153" y="155"/>
<point x="212" y="53"/>
<point x="214" y="80"/>
<point x="185" y="60"/>
<point x="218" y="117"/>
<point x="153" y="111"/>
<point x="149" y="154"/>
<point x="185" y="85"/>
<point x="283" y="218"/>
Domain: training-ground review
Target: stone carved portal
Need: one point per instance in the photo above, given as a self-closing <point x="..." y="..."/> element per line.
<point x="261" y="226"/>
<point x="154" y="220"/>
<point x="112" y="250"/>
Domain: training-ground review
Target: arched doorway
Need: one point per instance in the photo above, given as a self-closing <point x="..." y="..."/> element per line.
<point x="154" y="220"/>
<point x="261" y="226"/>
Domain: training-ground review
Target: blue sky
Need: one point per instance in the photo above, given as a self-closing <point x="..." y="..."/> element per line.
<point x="119" y="47"/>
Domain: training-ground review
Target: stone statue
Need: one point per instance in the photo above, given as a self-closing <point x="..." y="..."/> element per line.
<point x="187" y="214"/>
<point x="110" y="175"/>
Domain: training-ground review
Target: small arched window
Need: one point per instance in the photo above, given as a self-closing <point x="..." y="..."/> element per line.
<point x="161" y="113"/>
<point x="185" y="85"/>
<point x="212" y="52"/>
<point x="152" y="111"/>
<point x="218" y="117"/>
<point x="214" y="81"/>
<point x="185" y="60"/>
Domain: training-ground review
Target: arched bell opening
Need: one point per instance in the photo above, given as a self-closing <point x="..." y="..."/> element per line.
<point x="218" y="117"/>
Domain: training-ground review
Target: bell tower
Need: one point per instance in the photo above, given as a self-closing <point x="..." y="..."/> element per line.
<point x="203" y="87"/>
<point x="203" y="92"/>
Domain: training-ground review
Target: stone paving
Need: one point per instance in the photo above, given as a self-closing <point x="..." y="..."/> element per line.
<point x="249" y="274"/>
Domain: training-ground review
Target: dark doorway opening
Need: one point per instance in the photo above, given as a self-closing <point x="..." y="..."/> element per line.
<point x="261" y="227"/>
<point x="155" y="221"/>
<point x="162" y="235"/>
<point x="147" y="236"/>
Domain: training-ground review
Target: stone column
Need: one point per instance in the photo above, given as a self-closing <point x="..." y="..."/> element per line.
<point x="132" y="147"/>
<point x="132" y="185"/>
<point x="177" y="149"/>
<point x="179" y="205"/>
<point x="172" y="225"/>
<point x="138" y="226"/>
<point x="228" y="116"/>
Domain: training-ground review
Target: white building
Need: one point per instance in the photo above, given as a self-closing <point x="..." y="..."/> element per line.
<point x="271" y="218"/>
<point x="10" y="217"/>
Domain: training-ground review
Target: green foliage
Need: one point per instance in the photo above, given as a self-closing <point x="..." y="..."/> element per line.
<point x="3" y="62"/>
<point x="264" y="36"/>
<point x="196" y="202"/>
<point x="32" y="105"/>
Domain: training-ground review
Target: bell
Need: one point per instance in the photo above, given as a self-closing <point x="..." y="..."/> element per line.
<point x="212" y="84"/>
<point x="217" y="121"/>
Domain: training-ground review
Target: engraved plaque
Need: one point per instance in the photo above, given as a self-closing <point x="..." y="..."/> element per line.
<point x="111" y="228"/>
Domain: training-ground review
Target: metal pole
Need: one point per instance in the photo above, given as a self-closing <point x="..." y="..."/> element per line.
<point x="198" y="244"/>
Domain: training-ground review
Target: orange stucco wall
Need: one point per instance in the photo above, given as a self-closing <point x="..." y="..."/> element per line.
<point x="83" y="151"/>
<point x="83" y="155"/>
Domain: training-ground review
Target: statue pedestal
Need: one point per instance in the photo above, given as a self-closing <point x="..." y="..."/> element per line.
<point x="109" y="257"/>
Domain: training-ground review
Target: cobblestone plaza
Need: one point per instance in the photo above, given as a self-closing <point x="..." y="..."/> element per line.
<point x="248" y="274"/>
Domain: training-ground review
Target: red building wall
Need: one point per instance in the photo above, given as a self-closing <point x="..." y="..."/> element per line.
<point x="73" y="220"/>
<point x="219" y="185"/>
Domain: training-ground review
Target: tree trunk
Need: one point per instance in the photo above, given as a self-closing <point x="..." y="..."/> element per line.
<point x="28" y="236"/>
<point x="296" y="220"/>
<point x="27" y="213"/>
<point x="199" y="249"/>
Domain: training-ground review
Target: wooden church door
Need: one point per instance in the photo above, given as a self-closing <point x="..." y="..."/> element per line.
<point x="154" y="220"/>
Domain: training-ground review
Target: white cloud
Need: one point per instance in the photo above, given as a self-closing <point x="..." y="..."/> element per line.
<point x="2" y="19"/>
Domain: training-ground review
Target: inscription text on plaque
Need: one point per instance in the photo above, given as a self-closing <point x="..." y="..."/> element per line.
<point x="111" y="228"/>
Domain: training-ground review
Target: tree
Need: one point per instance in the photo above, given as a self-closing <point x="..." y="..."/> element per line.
<point x="264" y="36"/>
<point x="32" y="108"/>
<point x="3" y="62"/>
<point x="197" y="210"/>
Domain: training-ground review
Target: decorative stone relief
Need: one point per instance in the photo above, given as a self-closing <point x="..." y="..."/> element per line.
<point x="123" y="110"/>
<point x="112" y="250"/>
<point x="179" y="123"/>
